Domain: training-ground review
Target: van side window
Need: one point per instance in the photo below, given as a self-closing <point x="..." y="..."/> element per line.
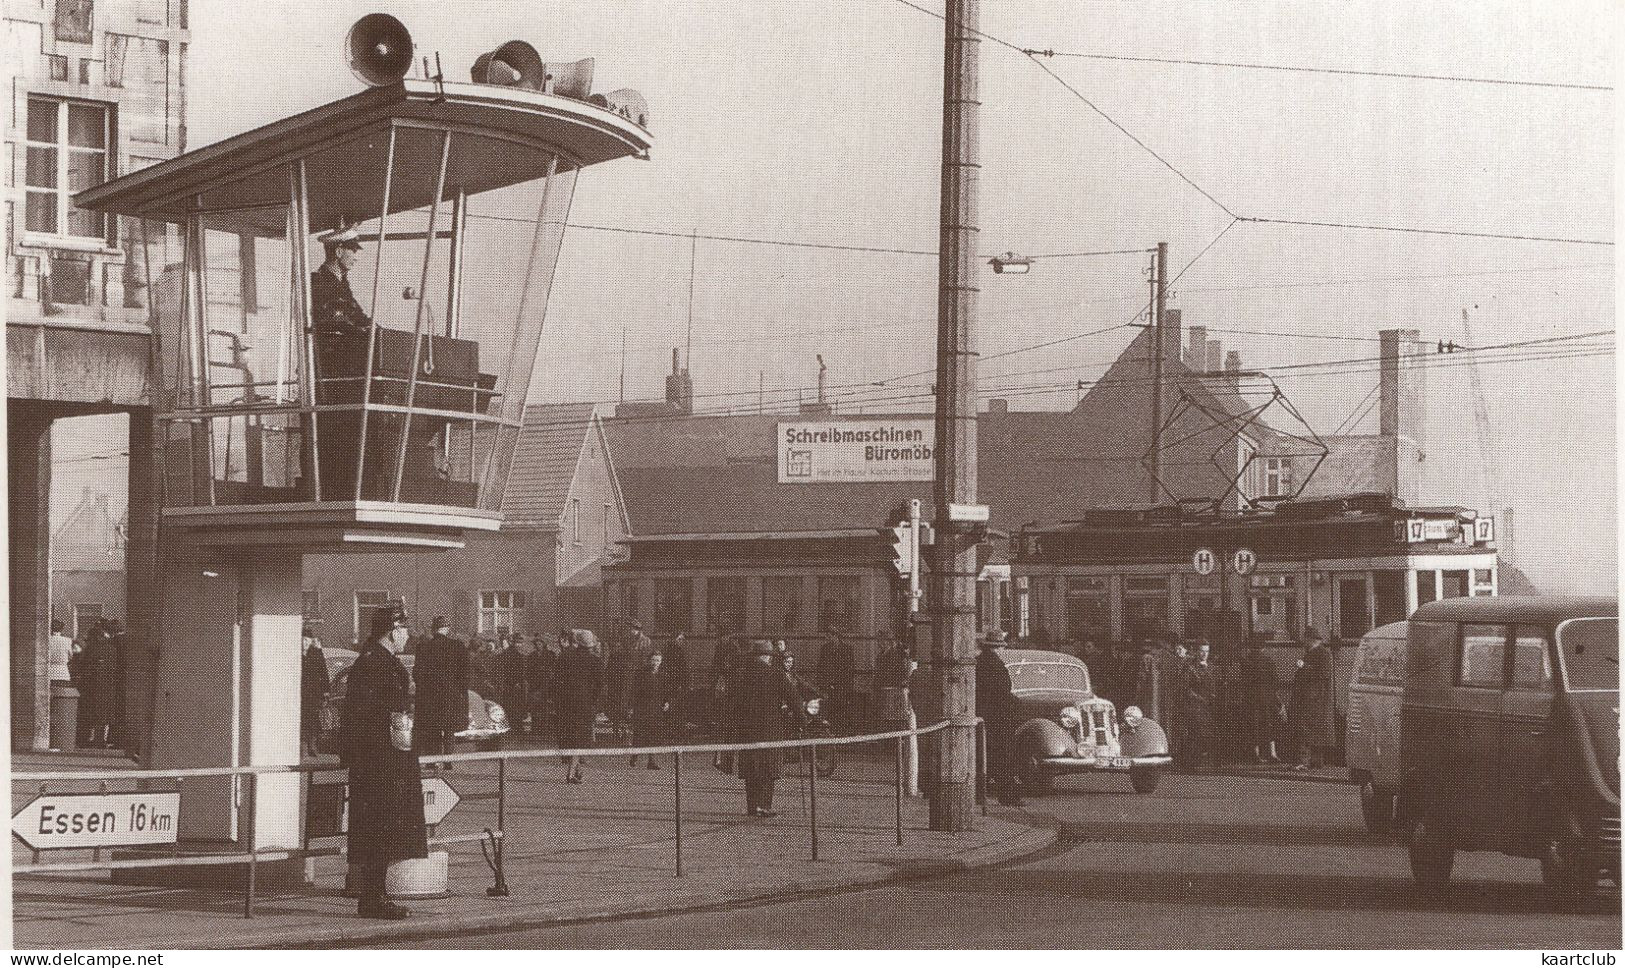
<point x="1483" y="656"/>
<point x="1531" y="659"/>
<point x="1431" y="655"/>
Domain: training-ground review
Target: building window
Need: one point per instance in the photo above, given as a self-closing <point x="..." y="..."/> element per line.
<point x="366" y="604"/>
<point x="782" y="604"/>
<point x="1277" y="476"/>
<point x="838" y="604"/>
<point x="725" y="605"/>
<point x="674" y="605"/>
<point x="310" y="603"/>
<point x="499" y="611"/>
<point x="575" y="520"/>
<point x="67" y="152"/>
<point x="85" y="616"/>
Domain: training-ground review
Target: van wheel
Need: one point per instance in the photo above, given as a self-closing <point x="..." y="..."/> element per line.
<point x="1377" y="807"/>
<point x="1144" y="778"/>
<point x="1432" y="856"/>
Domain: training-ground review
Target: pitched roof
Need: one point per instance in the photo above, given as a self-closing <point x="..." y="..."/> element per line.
<point x="544" y="463"/>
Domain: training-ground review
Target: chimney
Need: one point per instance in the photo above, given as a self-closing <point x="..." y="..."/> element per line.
<point x="1232" y="371"/>
<point x="1215" y="356"/>
<point x="998" y="405"/>
<point x="1196" y="355"/>
<point x="1172" y="336"/>
<point x="1401" y="396"/>
<point x="679" y="388"/>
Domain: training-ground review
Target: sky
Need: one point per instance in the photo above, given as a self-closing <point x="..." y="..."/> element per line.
<point x="820" y="122"/>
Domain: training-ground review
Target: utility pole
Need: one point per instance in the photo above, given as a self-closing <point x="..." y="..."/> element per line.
<point x="953" y="566"/>
<point x="1159" y="299"/>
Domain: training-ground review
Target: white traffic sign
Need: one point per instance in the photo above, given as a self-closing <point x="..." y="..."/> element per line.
<point x="97" y="820"/>
<point x="1243" y="561"/>
<point x="1484" y="530"/>
<point x="1204" y="561"/>
<point x="439" y="799"/>
<point x="976" y="513"/>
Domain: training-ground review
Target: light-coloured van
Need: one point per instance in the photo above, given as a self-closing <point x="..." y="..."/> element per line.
<point x="1371" y="738"/>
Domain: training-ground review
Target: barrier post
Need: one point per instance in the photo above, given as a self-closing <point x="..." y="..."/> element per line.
<point x="981" y="765"/>
<point x="677" y="805"/>
<point x="812" y="782"/>
<point x="248" y="895"/>
<point x="900" y="741"/>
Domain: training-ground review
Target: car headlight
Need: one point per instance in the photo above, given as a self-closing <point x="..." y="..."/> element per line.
<point x="1132" y="716"/>
<point x="812" y="707"/>
<point x="1069" y="718"/>
<point x="498" y="716"/>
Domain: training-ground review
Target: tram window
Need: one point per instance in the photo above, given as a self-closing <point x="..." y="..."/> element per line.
<point x="1455" y="584"/>
<point x="1426" y="587"/>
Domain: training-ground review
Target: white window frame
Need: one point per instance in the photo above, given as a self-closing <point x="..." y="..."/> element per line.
<point x="1277" y="476"/>
<point x="500" y="608"/>
<point x="64" y="195"/>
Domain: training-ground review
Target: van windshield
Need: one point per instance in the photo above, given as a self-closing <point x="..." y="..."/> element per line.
<point x="1590" y="648"/>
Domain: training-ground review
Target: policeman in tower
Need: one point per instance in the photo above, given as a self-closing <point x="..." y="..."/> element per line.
<point x="333" y="308"/>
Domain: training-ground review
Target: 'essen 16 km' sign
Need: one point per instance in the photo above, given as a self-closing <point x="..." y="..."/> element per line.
<point x="97" y="820"/>
<point x="826" y="451"/>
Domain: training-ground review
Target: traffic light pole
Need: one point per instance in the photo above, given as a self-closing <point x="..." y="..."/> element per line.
<point x="951" y="767"/>
<point x="913" y="557"/>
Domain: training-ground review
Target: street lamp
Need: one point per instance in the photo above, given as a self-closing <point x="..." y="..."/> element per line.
<point x="1012" y="263"/>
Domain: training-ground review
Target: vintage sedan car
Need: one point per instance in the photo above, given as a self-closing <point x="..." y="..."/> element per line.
<point x="487" y="721"/>
<point x="1069" y="729"/>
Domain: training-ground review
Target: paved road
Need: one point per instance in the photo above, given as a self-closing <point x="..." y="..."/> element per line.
<point x="1205" y="862"/>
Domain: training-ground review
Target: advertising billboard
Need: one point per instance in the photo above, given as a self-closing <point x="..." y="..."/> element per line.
<point x="856" y="451"/>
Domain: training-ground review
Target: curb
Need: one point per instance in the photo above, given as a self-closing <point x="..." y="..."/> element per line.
<point x="1293" y="775"/>
<point x="1032" y="840"/>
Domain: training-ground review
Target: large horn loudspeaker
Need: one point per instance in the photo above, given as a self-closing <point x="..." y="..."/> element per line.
<point x="514" y="64"/>
<point x="379" y="49"/>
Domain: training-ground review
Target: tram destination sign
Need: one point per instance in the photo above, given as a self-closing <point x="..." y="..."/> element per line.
<point x="830" y="451"/>
<point x="97" y="820"/>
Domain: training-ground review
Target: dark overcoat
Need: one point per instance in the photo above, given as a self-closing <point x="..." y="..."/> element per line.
<point x="441" y="671"/>
<point x="651" y="693"/>
<point x="313" y="687"/>
<point x="386" y="784"/>
<point x="1200" y="695"/>
<point x="766" y="707"/>
<point x="1319" y="718"/>
<point x="98" y="670"/>
<point x="996" y="704"/>
<point x="576" y="695"/>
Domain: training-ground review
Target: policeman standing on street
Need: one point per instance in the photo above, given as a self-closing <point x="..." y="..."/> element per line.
<point x="386" y="783"/>
<point x="996" y="704"/>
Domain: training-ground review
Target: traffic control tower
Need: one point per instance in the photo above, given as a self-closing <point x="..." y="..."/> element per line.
<point x="291" y="421"/>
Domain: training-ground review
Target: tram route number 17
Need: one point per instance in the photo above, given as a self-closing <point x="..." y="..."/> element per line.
<point x="97" y="820"/>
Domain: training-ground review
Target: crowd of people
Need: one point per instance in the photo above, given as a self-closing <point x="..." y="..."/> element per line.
<point x="1241" y="707"/>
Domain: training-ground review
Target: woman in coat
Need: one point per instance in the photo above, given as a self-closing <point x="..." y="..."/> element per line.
<point x="386" y="783"/>
<point x="651" y="706"/>
<point x="580" y="689"/>
<point x="94" y="680"/>
<point x="765" y="708"/>
<point x="1318" y="720"/>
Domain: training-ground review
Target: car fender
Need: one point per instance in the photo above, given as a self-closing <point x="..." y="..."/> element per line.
<point x="1041" y="738"/>
<point x="1145" y="739"/>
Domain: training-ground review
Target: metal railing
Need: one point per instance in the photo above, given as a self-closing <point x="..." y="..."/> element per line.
<point x="492" y="840"/>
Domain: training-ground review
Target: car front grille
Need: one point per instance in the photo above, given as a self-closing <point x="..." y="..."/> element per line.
<point x="1608" y="833"/>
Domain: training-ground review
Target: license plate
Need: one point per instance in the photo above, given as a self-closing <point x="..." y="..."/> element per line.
<point x="1115" y="762"/>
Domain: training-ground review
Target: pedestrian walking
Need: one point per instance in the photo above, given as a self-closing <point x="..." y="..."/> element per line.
<point x="651" y="705"/>
<point x="96" y="685"/>
<point x="314" y="687"/>
<point x="765" y="708"/>
<point x="580" y="690"/>
<point x="1171" y="659"/>
<point x="1259" y="687"/>
<point x="996" y="704"/>
<point x="834" y="676"/>
<point x="625" y="658"/>
<point x="543" y="670"/>
<point x="386" y="783"/>
<point x="1318" y="720"/>
<point x="1200" y="693"/>
<point x="441" y="673"/>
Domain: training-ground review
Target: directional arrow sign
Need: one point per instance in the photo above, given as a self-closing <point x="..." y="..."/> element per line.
<point x="438" y="800"/>
<point x="98" y="820"/>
